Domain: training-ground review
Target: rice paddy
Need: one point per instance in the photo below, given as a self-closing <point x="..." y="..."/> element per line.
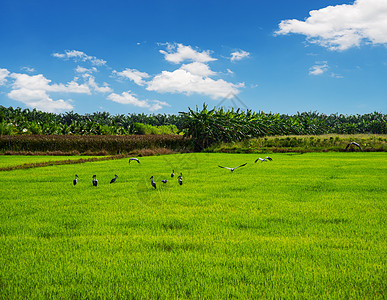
<point x="309" y="226"/>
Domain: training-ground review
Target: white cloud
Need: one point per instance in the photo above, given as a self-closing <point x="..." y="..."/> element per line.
<point x="99" y="89"/>
<point x="39" y="82"/>
<point x="177" y="53"/>
<point x="319" y="68"/>
<point x="156" y="105"/>
<point x="198" y="68"/>
<point x="3" y="75"/>
<point x="239" y="55"/>
<point x="343" y="26"/>
<point x="131" y="99"/>
<point x="182" y="81"/>
<point x="133" y="75"/>
<point x="80" y="69"/>
<point x="33" y="92"/>
<point x="80" y="56"/>
<point x="39" y="99"/>
<point x="193" y="77"/>
<point x="190" y="78"/>
<point x="28" y="69"/>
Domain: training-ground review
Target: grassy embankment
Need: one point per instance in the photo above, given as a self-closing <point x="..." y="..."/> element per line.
<point x="302" y="226"/>
<point x="306" y="143"/>
<point x="167" y="144"/>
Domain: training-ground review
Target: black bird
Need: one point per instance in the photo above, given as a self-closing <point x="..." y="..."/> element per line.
<point x="95" y="181"/>
<point x="75" y="179"/>
<point x="136" y="159"/>
<point x="173" y="174"/>
<point x="153" y="183"/>
<point x="269" y="158"/>
<point x="114" y="179"/>
<point x="180" y="180"/>
<point x="164" y="181"/>
<point x="232" y="169"/>
<point x="353" y="143"/>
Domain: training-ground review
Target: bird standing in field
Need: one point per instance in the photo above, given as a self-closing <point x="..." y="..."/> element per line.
<point x="164" y="181"/>
<point x="114" y="179"/>
<point x="353" y="143"/>
<point x="95" y="181"/>
<point x="180" y="180"/>
<point x="75" y="179"/>
<point x="173" y="174"/>
<point x="135" y="159"/>
<point x="153" y="183"/>
<point x="232" y="169"/>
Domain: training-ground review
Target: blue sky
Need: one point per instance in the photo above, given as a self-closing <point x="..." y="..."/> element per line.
<point x="164" y="56"/>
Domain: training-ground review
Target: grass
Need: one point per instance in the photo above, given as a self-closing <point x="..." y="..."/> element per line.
<point x="18" y="160"/>
<point x="308" y="226"/>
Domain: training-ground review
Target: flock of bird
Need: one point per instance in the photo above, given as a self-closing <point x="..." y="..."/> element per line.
<point x="180" y="178"/>
<point x="164" y="181"/>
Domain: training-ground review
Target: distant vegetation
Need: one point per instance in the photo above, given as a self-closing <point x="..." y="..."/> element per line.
<point x="25" y="121"/>
<point x="201" y="128"/>
<point x="93" y="145"/>
<point x="305" y="143"/>
<point x="209" y="127"/>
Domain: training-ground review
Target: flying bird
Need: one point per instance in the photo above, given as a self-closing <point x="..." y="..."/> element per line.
<point x="114" y="179"/>
<point x="180" y="180"/>
<point x="264" y="159"/>
<point x="95" y="181"/>
<point x="173" y="174"/>
<point x="164" y="181"/>
<point x="136" y="159"/>
<point x="232" y="169"/>
<point x="153" y="183"/>
<point x="75" y="179"/>
<point x="353" y="143"/>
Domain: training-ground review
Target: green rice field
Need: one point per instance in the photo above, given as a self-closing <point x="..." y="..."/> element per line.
<point x="19" y="160"/>
<point x="302" y="226"/>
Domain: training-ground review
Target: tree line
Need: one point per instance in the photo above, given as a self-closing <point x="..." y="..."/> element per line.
<point x="206" y="126"/>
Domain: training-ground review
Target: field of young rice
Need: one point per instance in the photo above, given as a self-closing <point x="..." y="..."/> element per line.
<point x="300" y="226"/>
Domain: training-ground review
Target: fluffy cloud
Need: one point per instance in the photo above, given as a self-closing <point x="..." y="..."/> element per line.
<point x="134" y="75"/>
<point x="39" y="82"/>
<point x="80" y="69"/>
<point x="239" y="55"/>
<point x="182" y="81"/>
<point x="3" y="75"/>
<point x="197" y="68"/>
<point x="191" y="78"/>
<point x="156" y="105"/>
<point x="131" y="99"/>
<point x="343" y="26"/>
<point x="39" y="99"/>
<point x="319" y="68"/>
<point x="80" y="56"/>
<point x="177" y="53"/>
<point x="99" y="89"/>
<point x="33" y="92"/>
